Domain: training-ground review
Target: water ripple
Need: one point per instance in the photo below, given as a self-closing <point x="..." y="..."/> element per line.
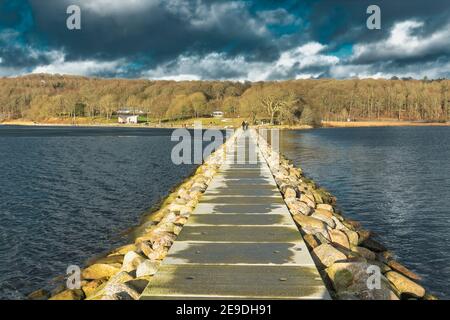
<point x="66" y="195"/>
<point x="396" y="181"/>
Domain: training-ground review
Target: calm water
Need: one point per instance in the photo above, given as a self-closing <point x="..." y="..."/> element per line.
<point x="67" y="194"/>
<point x="396" y="181"/>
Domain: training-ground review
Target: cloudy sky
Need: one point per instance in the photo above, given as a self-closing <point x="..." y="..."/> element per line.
<point x="218" y="39"/>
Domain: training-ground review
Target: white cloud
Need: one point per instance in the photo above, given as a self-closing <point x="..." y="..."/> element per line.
<point x="349" y="71"/>
<point x="311" y="48"/>
<point x="179" y="77"/>
<point x="9" y="35"/>
<point x="223" y="15"/>
<point x="305" y="76"/>
<point x="403" y="43"/>
<point x="432" y="70"/>
<point x="82" y="67"/>
<point x="291" y="64"/>
<point x="11" y="72"/>
<point x="385" y="58"/>
<point x="306" y="56"/>
<point x="213" y="65"/>
<point x="278" y="16"/>
<point x="203" y="15"/>
<point x="105" y="7"/>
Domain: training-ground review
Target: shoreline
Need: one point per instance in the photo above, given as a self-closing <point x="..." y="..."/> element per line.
<point x="177" y="125"/>
<point x="143" y="126"/>
<point x="381" y="123"/>
<point x="86" y="125"/>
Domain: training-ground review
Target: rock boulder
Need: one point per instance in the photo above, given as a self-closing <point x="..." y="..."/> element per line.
<point x="327" y="254"/>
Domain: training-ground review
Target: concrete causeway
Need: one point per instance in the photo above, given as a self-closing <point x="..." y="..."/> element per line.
<point x="240" y="242"/>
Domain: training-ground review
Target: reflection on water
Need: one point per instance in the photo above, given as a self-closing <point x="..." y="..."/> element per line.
<point x="396" y="181"/>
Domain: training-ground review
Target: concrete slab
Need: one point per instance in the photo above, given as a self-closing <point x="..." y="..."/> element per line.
<point x="236" y="166"/>
<point x="244" y="175"/>
<point x="241" y="186"/>
<point x="208" y="208"/>
<point x="238" y="282"/>
<point x="222" y="199"/>
<point x="256" y="253"/>
<point x="240" y="219"/>
<point x="237" y="181"/>
<point x="248" y="191"/>
<point x="239" y="233"/>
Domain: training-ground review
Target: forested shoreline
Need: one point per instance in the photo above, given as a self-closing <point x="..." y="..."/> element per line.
<point x="40" y="96"/>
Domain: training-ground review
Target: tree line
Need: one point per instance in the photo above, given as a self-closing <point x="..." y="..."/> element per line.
<point x="39" y="97"/>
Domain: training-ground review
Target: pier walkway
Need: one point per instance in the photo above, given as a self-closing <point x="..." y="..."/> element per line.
<point x="240" y="242"/>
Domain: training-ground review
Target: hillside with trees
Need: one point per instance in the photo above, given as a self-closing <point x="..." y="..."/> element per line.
<point x="38" y="97"/>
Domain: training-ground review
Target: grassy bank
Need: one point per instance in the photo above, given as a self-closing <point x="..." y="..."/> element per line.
<point x="85" y="121"/>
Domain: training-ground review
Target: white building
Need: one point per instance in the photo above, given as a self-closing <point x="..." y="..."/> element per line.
<point x="217" y="114"/>
<point x="127" y="119"/>
<point x="124" y="111"/>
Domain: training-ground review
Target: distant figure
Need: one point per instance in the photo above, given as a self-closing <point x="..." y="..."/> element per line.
<point x="243" y="125"/>
<point x="246" y="125"/>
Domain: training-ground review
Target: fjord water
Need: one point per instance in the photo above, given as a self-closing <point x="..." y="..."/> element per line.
<point x="68" y="194"/>
<point x="395" y="181"/>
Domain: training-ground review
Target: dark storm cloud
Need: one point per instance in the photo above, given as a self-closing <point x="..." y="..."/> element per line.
<point x="336" y="22"/>
<point x="20" y="58"/>
<point x="15" y="20"/>
<point x="154" y="32"/>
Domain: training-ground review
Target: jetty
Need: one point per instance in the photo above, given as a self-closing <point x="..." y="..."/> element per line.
<point x="240" y="242"/>
<point x="248" y="225"/>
